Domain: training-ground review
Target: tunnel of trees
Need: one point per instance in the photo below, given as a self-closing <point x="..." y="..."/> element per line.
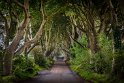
<point x="89" y="33"/>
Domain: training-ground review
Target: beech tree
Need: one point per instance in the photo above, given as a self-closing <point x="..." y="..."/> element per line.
<point x="22" y="29"/>
<point x="57" y="25"/>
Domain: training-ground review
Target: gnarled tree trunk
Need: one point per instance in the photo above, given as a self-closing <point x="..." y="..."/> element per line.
<point x="19" y="35"/>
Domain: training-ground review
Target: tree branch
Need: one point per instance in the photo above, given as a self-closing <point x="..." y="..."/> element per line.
<point x="32" y="47"/>
<point x="19" y="4"/>
<point x="83" y="46"/>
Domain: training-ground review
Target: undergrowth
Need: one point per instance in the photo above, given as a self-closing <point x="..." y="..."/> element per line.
<point x="95" y="67"/>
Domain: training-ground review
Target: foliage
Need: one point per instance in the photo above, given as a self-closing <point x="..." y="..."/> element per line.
<point x="103" y="59"/>
<point x="89" y="16"/>
<point x="24" y="68"/>
<point x="91" y="76"/>
<point x="119" y="65"/>
<point x="35" y="20"/>
<point x="7" y="79"/>
<point x="94" y="67"/>
<point x="40" y="59"/>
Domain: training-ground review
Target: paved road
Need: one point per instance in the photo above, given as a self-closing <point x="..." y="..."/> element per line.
<point x="59" y="73"/>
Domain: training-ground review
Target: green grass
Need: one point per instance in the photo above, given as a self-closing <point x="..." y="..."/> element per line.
<point x="91" y="76"/>
<point x="95" y="77"/>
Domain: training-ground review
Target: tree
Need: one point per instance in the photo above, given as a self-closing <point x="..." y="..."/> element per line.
<point x="19" y="35"/>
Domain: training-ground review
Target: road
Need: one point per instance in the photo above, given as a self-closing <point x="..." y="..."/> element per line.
<point x="59" y="73"/>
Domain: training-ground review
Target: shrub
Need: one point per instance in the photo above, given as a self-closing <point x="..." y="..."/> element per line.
<point x="119" y="65"/>
<point x="91" y="66"/>
<point x="40" y="59"/>
<point x="24" y="68"/>
<point x="7" y="79"/>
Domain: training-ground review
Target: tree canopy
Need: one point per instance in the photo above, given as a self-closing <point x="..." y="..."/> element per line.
<point x="63" y="26"/>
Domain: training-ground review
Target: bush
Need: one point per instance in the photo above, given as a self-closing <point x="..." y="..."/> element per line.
<point x="101" y="63"/>
<point x="40" y="59"/>
<point x="23" y="68"/>
<point x="7" y="79"/>
<point x="119" y="65"/>
<point x="94" y="67"/>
